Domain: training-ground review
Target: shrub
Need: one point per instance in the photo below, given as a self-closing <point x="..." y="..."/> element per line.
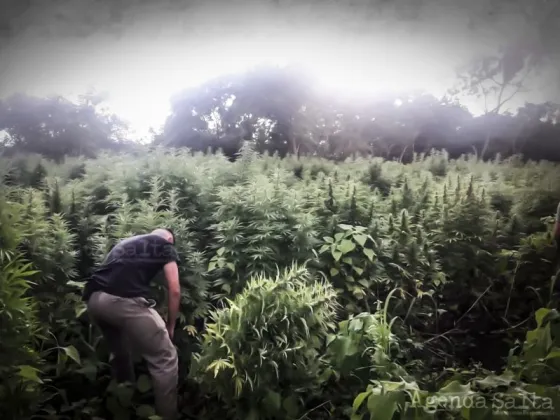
<point x="263" y="352"/>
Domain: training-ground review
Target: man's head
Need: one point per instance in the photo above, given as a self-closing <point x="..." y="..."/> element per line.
<point x="166" y="234"/>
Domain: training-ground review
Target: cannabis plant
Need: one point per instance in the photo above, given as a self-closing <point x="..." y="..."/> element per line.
<point x="262" y="353"/>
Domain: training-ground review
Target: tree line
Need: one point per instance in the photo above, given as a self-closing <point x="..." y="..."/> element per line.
<point x="278" y="110"/>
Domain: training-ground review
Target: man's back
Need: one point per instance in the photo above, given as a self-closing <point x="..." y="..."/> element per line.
<point x="131" y="265"/>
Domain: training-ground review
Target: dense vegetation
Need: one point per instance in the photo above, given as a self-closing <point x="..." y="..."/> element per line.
<point x="312" y="289"/>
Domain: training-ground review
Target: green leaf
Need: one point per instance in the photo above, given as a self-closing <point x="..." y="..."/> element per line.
<point x="124" y="393"/>
<point x="290" y="404"/>
<point x="231" y="266"/>
<point x="553" y="355"/>
<point x="369" y="253"/>
<point x="364" y="282"/>
<point x="145" y="411"/>
<point x="382" y="407"/>
<point x="143" y="384"/>
<point x="328" y="239"/>
<point x="226" y="288"/>
<point x="220" y="251"/>
<point x="356" y="325"/>
<point x="323" y="248"/>
<point x="360" y="238"/>
<point x="359" y="400"/>
<point x="345" y="227"/>
<point x="80" y="310"/>
<point x="211" y="265"/>
<point x="273" y="401"/>
<point x="89" y="371"/>
<point x="346" y="246"/>
<point x="338" y="236"/>
<point x="72" y="353"/>
<point x="76" y="284"/>
<point x="30" y="373"/>
<point x="455" y="388"/>
<point x="336" y="255"/>
<point x="358" y="270"/>
<point x="334" y="271"/>
<point x="540" y="314"/>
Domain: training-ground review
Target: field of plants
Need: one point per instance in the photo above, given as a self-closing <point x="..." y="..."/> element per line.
<point x="364" y="289"/>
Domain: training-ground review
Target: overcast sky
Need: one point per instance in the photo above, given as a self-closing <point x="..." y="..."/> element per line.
<point x="158" y="50"/>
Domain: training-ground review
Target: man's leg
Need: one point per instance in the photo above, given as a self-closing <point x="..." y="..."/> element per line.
<point x="122" y="364"/>
<point x="102" y="310"/>
<point x="148" y="334"/>
<point x="150" y="337"/>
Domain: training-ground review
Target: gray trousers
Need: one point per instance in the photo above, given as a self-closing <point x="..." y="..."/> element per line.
<point x="130" y="323"/>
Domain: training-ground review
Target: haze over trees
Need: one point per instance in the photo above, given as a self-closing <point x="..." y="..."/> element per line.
<point x="278" y="110"/>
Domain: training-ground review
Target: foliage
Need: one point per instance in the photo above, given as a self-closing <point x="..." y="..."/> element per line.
<point x="421" y="278"/>
<point x="55" y="127"/>
<point x="276" y="110"/>
<point x="262" y="353"/>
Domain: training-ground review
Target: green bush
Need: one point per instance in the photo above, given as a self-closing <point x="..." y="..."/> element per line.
<point x="262" y="353"/>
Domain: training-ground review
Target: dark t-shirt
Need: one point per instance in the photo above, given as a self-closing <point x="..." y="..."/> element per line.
<point x="130" y="266"/>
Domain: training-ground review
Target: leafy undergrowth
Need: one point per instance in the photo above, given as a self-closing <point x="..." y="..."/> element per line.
<point x="310" y="289"/>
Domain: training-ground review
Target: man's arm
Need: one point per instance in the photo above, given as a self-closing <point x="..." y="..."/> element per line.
<point x="171" y="271"/>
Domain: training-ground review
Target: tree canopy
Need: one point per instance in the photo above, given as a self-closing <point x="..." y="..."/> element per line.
<point x="56" y="127"/>
<point x="279" y="111"/>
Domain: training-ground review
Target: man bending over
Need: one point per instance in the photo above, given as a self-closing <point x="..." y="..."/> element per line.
<point x="117" y="301"/>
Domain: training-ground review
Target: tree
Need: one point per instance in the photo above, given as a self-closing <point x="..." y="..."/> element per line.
<point x="56" y="127"/>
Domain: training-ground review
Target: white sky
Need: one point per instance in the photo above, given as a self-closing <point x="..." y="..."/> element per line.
<point x="151" y="62"/>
